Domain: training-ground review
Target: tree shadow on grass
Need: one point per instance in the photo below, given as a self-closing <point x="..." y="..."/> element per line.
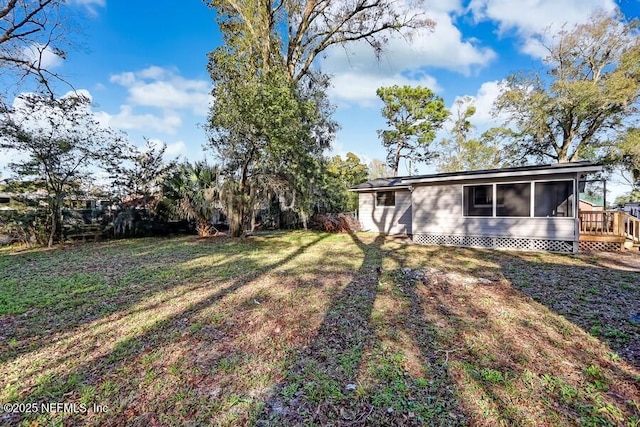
<point x="314" y="388"/>
<point x="512" y="360"/>
<point x="356" y="369"/>
<point x="81" y="286"/>
<point x="87" y="358"/>
<point x="601" y="298"/>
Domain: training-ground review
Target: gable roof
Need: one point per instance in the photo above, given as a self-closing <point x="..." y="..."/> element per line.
<point x="591" y="200"/>
<point x="406" y="181"/>
<point x="382" y="183"/>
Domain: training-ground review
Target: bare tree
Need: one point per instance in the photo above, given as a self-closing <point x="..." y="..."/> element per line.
<point x="315" y="25"/>
<point x="31" y="33"/>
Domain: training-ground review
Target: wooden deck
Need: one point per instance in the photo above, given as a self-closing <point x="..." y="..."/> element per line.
<point x="615" y="227"/>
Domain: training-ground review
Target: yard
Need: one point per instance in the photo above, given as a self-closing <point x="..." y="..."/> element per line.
<point x="304" y="328"/>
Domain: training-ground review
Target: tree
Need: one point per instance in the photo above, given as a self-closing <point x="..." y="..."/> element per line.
<point x="632" y="196"/>
<point x="269" y="136"/>
<point x="379" y="169"/>
<point x="586" y="99"/>
<point x="340" y="176"/>
<point x="268" y="131"/>
<point x="628" y="156"/>
<point x="414" y="115"/>
<point x="462" y="151"/>
<point x="193" y="193"/>
<point x="60" y="141"/>
<point x="277" y="120"/>
<point x="30" y="31"/>
<point x="314" y="26"/>
<point x="141" y="175"/>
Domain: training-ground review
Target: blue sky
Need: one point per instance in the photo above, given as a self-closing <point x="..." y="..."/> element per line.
<point x="144" y="63"/>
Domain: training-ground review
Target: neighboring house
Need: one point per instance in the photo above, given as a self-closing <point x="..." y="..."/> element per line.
<point x="530" y="208"/>
<point x="589" y="205"/>
<point x="632" y="208"/>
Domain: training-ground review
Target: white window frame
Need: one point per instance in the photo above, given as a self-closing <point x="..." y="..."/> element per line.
<point x="532" y="195"/>
<point x="574" y="208"/>
<point x="375" y="199"/>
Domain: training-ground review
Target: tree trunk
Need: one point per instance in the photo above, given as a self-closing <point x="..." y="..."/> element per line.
<point x="56" y="223"/>
<point x="236" y="217"/>
<point x="396" y="160"/>
<point x="52" y="234"/>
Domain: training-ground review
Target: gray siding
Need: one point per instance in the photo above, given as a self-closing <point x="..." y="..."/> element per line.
<point x="385" y="219"/>
<point x="437" y="210"/>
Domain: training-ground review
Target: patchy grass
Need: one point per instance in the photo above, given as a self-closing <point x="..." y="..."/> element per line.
<point x="308" y="328"/>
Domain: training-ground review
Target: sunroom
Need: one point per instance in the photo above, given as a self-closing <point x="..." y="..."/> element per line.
<point x="527" y="208"/>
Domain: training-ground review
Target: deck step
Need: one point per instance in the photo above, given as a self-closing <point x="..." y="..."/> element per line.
<point x="600" y="238"/>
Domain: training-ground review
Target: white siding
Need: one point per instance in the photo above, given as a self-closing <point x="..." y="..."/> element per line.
<point x="437" y="210"/>
<point x="385" y="219"/>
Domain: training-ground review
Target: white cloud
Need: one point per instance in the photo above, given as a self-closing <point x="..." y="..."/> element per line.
<point x="174" y="149"/>
<point x="360" y="89"/>
<point x="124" y="79"/>
<point x="177" y="148"/>
<point x="405" y="61"/>
<point x="42" y="56"/>
<point x="158" y="99"/>
<point x="126" y="119"/>
<point x="535" y="20"/>
<point x="446" y="6"/>
<point x="163" y="88"/>
<point x="483" y="100"/>
<point x="90" y="5"/>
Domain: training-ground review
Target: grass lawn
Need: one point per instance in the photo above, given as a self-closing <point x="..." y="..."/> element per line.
<point x="305" y="328"/>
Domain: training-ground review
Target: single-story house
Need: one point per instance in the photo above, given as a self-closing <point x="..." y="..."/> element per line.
<point x="589" y="205"/>
<point x="528" y="208"/>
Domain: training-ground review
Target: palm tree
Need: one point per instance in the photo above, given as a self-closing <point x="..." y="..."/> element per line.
<point x="193" y="190"/>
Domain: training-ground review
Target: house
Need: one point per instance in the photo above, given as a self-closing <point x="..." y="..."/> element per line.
<point x="528" y="208"/>
<point x="589" y="204"/>
<point x="632" y="208"/>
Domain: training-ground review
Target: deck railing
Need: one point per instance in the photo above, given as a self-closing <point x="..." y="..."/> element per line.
<point x="610" y="223"/>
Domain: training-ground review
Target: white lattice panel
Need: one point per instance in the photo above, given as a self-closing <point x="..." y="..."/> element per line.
<point x="599" y="246"/>
<point x="495" y="242"/>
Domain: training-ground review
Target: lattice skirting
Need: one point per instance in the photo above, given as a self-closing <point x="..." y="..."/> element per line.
<point x="495" y="242"/>
<point x="585" y="246"/>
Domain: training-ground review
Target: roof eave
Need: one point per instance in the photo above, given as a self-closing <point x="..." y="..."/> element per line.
<point x="387" y="188"/>
<point x="506" y="174"/>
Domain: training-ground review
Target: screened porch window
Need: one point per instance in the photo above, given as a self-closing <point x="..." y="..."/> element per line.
<point x="386" y="198"/>
<point x="553" y="199"/>
<point x="478" y="200"/>
<point x="513" y="199"/>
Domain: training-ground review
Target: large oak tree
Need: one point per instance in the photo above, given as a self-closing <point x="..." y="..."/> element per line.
<point x="271" y="120"/>
<point x="585" y="99"/>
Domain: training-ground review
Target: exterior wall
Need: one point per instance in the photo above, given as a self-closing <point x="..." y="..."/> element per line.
<point x="588" y="207"/>
<point x="385" y="219"/>
<point x="437" y="211"/>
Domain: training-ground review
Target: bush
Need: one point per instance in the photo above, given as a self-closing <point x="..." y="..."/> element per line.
<point x="335" y="223"/>
<point x="26" y="227"/>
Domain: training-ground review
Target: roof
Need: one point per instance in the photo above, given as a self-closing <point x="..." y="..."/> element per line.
<point x="591" y="200"/>
<point x="407" y="181"/>
<point x="381" y="183"/>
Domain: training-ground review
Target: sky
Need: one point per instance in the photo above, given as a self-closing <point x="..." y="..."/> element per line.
<point x="144" y="64"/>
